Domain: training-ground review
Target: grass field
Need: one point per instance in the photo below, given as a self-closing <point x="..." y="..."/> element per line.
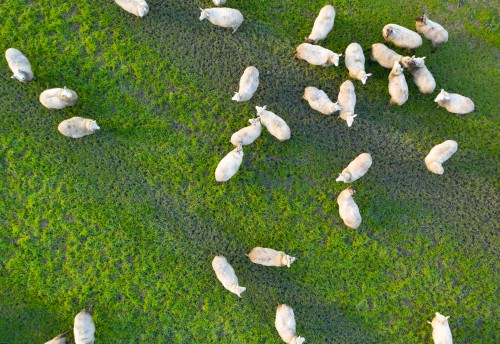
<point x="129" y="219"/>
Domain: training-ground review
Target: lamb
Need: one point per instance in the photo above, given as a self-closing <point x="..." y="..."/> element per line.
<point x="348" y="209"/>
<point x="137" y="7"/>
<point x="285" y="325"/>
<point x="402" y="37"/>
<point x="398" y="88"/>
<point x="347" y="102"/>
<point x="229" y="165"/>
<point x="386" y="57"/>
<point x="356" y="169"/>
<point x="60" y="339"/>
<point x="355" y="62"/>
<point x="454" y="103"/>
<point x="249" y="134"/>
<point x="273" y="123"/>
<point x="431" y="30"/>
<point x="421" y="75"/>
<point x="316" y="55"/>
<point x="322" y="25"/>
<point x="219" y="2"/>
<point x="269" y="257"/>
<point x="226" y="275"/>
<point x="441" y="333"/>
<point x="439" y="154"/>
<point x="319" y="101"/>
<point x="84" y="328"/>
<point x="248" y="84"/>
<point x="58" y="98"/>
<point x="19" y="64"/>
<point x="223" y="16"/>
<point x="77" y="127"/>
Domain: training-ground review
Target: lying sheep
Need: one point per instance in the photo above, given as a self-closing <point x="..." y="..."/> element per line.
<point x="386" y="57"/>
<point x="58" y="98"/>
<point x="347" y="102"/>
<point x="319" y="101"/>
<point x="398" y="88"/>
<point x="60" y="339"/>
<point x="348" y="209"/>
<point x="402" y="37"/>
<point x="356" y="168"/>
<point x="454" y="103"/>
<point x="19" y="65"/>
<point x="219" y="2"/>
<point x="421" y="75"/>
<point x="269" y="257"/>
<point x="229" y="165"/>
<point x="439" y="154"/>
<point x="224" y="17"/>
<point x="84" y="328"/>
<point x="226" y="275"/>
<point x="316" y="55"/>
<point x="322" y="25"/>
<point x="77" y="127"/>
<point x="285" y="325"/>
<point x="355" y="62"/>
<point x="249" y="82"/>
<point x="247" y="135"/>
<point x="431" y="30"/>
<point x="441" y="333"/>
<point x="137" y="7"/>
<point x="273" y="123"/>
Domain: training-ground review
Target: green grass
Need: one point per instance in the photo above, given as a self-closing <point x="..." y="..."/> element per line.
<point x="129" y="219"/>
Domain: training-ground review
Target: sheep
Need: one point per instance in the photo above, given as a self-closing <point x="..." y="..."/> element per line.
<point x="60" y="339"/>
<point x="386" y="57"/>
<point x="441" y="333"/>
<point x="421" y="75"/>
<point x="19" y="64"/>
<point x="137" y="7"/>
<point x="229" y="165"/>
<point x="402" y="37"/>
<point x="454" y="103"/>
<point x="249" y="134"/>
<point x="249" y="82"/>
<point x="219" y="2"/>
<point x="84" y="328"/>
<point x="58" y="98"/>
<point x="348" y="209"/>
<point x="77" y="127"/>
<point x="431" y="30"/>
<point x="226" y="275"/>
<point x="273" y="123"/>
<point x="355" y="62"/>
<point x="319" y="101"/>
<point x="316" y="55"/>
<point x="322" y="25"/>
<point x="223" y="16"/>
<point x="285" y="325"/>
<point x="439" y="154"/>
<point x="398" y="88"/>
<point x="356" y="168"/>
<point x="347" y="102"/>
<point x="269" y="257"/>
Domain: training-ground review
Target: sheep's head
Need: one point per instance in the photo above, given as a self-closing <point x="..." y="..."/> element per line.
<point x="423" y="18"/>
<point x="442" y="96"/>
<point x="238" y="290"/>
<point x="236" y="97"/>
<point x="143" y="10"/>
<point x="287" y="260"/>
<point x="298" y="340"/>
<point x="335" y="107"/>
<point x="310" y="41"/>
<point x="364" y="76"/>
<point x="387" y="31"/>
<point x="260" y="109"/>
<point x="406" y="61"/>
<point x="204" y="14"/>
<point x="334" y="58"/>
<point x="397" y="69"/>
<point x="349" y="118"/>
<point x="438" y="320"/>
<point x="19" y="75"/>
<point x="66" y="93"/>
<point x="238" y="151"/>
<point x="343" y="177"/>
<point x="255" y="122"/>
<point x="435" y="167"/>
<point x="92" y="125"/>
<point x="417" y="62"/>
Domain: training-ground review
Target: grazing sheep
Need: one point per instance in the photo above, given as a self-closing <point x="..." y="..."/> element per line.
<point x="249" y="82"/>
<point x="355" y="62"/>
<point x="19" y="65"/>
<point x="84" y="328"/>
<point x="398" y="88"/>
<point x="226" y="275"/>
<point x="356" y="169"/>
<point x="249" y="134"/>
<point x="229" y="164"/>
<point x="58" y="98"/>
<point x="285" y="325"/>
<point x="219" y="2"/>
<point x="316" y="55"/>
<point x="77" y="127"/>
<point x="224" y="17"/>
<point x="60" y="339"/>
<point x="439" y="154"/>
<point x="441" y="333"/>
<point x="348" y="209"/>
<point x="421" y="75"/>
<point x="137" y="7"/>
<point x="319" y="101"/>
<point x="432" y="31"/>
<point x="347" y="102"/>
<point x="454" y="103"/>
<point x="269" y="257"/>
<point x="386" y="56"/>
<point x="402" y="37"/>
<point x="273" y="123"/>
<point x="322" y="25"/>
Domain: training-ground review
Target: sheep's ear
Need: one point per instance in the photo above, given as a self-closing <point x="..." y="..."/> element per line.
<point x="340" y="55"/>
<point x="369" y="74"/>
<point x="446" y="318"/>
<point x="429" y="322"/>
<point x="423" y="58"/>
<point x="13" y="76"/>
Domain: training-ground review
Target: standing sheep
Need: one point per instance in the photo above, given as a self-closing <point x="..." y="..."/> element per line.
<point x="355" y="62"/>
<point x="285" y="325"/>
<point x="77" y="127"/>
<point x="432" y="31"/>
<point x="137" y="7"/>
<point x="441" y="333"/>
<point x="454" y="103"/>
<point x="249" y="134"/>
<point x="402" y="37"/>
<point x="421" y="75"/>
<point x="229" y="165"/>
<point x="226" y="275"/>
<point x="58" y="98"/>
<point x="224" y="17"/>
<point x="322" y="25"/>
<point x="319" y="101"/>
<point x="386" y="56"/>
<point x="347" y="102"/>
<point x="269" y="257"/>
<point x="19" y="65"/>
<point x="439" y="154"/>
<point x="348" y="209"/>
<point x="249" y="82"/>
<point x="398" y="88"/>
<point x="84" y="328"/>
<point x="60" y="339"/>
<point x="219" y="2"/>
<point x="273" y="123"/>
<point x="316" y="55"/>
<point x="356" y="168"/>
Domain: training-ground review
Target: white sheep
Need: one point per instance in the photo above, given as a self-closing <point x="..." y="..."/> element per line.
<point x="347" y="102"/>
<point x="77" y="127"/>
<point x="316" y="55"/>
<point x="432" y="31"/>
<point x="441" y="333"/>
<point x="223" y="16"/>
<point x="322" y="25"/>
<point x="398" y="88"/>
<point x="356" y="168"/>
<point x="269" y="257"/>
<point x="229" y="165"/>
<point x="84" y="328"/>
<point x="226" y="275"/>
<point x="402" y="37"/>
<point x="219" y="2"/>
<point x="19" y="65"/>
<point x="58" y="98"/>
<point x="439" y="154"/>
<point x="454" y="103"/>
<point x="249" y="134"/>
<point x="421" y="75"/>
<point x="273" y="123"/>
<point x="60" y="339"/>
<point x="285" y="325"/>
<point x="137" y="7"/>
<point x="319" y="101"/>
<point x="386" y="56"/>
<point x="355" y="62"/>
<point x="348" y="209"/>
<point x="249" y="82"/>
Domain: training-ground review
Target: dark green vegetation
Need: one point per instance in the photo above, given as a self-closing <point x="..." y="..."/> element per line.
<point x="130" y="218"/>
